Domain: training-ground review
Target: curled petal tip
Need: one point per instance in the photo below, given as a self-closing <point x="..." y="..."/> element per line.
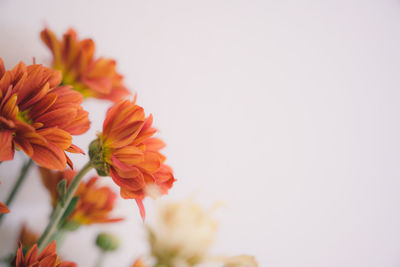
<point x="142" y="211"/>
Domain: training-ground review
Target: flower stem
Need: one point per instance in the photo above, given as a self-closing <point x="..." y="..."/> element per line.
<point x="58" y="213"/>
<point x="100" y="259"/>
<point x="58" y="236"/>
<point x="17" y="185"/>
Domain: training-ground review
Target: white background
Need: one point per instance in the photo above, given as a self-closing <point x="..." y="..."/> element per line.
<point x="287" y="111"/>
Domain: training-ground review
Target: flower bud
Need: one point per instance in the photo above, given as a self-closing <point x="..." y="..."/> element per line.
<point x="96" y="155"/>
<point x="107" y="242"/>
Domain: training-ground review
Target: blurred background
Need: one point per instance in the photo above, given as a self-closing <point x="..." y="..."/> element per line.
<point x="286" y="111"/>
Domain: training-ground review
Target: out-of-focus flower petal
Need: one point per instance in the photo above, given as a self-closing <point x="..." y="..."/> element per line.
<point x="47" y="258"/>
<point x="241" y="261"/>
<point x="95" y="202"/>
<point x="93" y="77"/>
<point x="3" y="208"/>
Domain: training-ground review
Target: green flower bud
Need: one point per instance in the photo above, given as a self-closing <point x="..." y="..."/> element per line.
<point x="96" y="155"/>
<point x="107" y="242"/>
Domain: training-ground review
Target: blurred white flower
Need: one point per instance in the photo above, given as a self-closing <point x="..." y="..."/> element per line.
<point x="181" y="235"/>
<point x="241" y="261"/>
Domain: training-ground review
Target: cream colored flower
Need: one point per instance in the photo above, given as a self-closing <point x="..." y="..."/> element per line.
<point x="241" y="261"/>
<point x="181" y="235"/>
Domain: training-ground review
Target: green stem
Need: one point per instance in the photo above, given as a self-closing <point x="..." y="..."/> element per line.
<point x="17" y="185"/>
<point x="58" y="236"/>
<point x="58" y="213"/>
<point x="100" y="259"/>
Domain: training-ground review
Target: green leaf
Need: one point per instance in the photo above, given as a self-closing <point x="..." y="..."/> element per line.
<point x="62" y="191"/>
<point x="70" y="209"/>
<point x="70" y="225"/>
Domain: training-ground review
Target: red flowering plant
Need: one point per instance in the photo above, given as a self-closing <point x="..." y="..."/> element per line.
<point x="41" y="109"/>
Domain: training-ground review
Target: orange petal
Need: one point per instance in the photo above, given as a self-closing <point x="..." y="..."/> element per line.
<point x="132" y="183"/>
<point x="34" y="97"/>
<point x="78" y="125"/>
<point x="50" y="249"/>
<point x="19" y="259"/>
<point x="154" y="144"/>
<point x="2" y="68"/>
<point x="125" y="134"/>
<point x="127" y="194"/>
<point x="50" y="260"/>
<point x="123" y="112"/>
<point x="49" y="156"/>
<point x="66" y="97"/>
<point x="151" y="162"/>
<point x="43" y="105"/>
<point x="57" y="137"/>
<point x="116" y="94"/>
<point x="121" y="165"/>
<point x="25" y="145"/>
<point x="10" y="108"/>
<point x="69" y="162"/>
<point x="6" y="145"/>
<point x="68" y="264"/>
<point x="101" y="85"/>
<point x="8" y="123"/>
<point x="30" y="88"/>
<point x="50" y="40"/>
<point x="3" y="208"/>
<point x="74" y="149"/>
<point x="164" y="174"/>
<point x="142" y="211"/>
<point x="31" y="255"/>
<point x="57" y="117"/>
<point x="129" y="154"/>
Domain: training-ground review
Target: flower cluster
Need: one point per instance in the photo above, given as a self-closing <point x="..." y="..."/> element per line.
<point x="41" y="109"/>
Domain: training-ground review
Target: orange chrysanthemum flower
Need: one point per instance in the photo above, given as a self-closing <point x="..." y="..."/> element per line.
<point x="127" y="152"/>
<point x="47" y="258"/>
<point x="39" y="117"/>
<point x="95" y="203"/>
<point x="92" y="77"/>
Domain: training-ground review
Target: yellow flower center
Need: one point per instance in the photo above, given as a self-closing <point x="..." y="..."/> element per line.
<point x="24" y="116"/>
